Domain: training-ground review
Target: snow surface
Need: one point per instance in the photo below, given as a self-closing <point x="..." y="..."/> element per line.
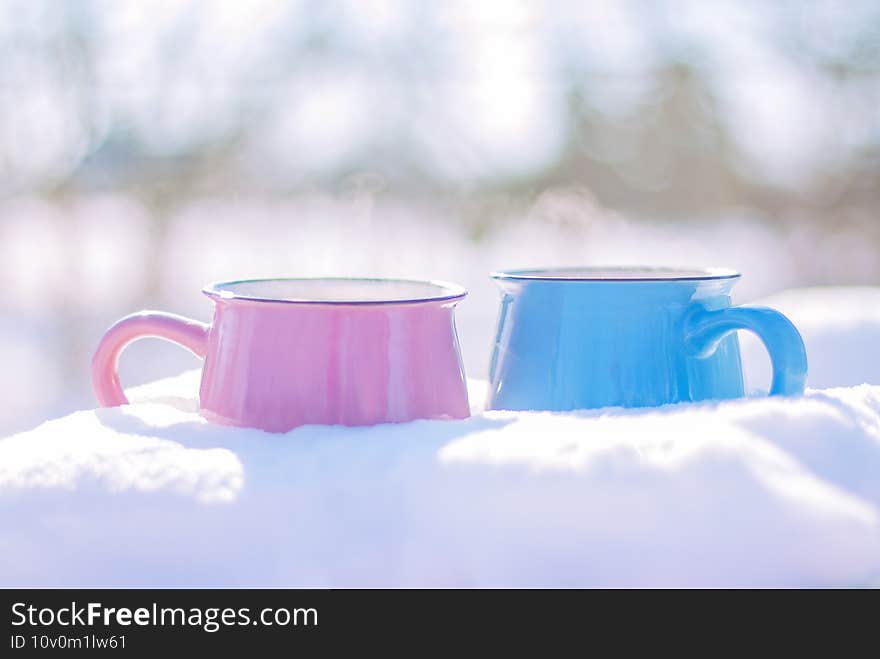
<point x="760" y="491"/>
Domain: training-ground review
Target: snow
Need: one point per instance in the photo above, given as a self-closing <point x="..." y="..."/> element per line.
<point x="755" y="492"/>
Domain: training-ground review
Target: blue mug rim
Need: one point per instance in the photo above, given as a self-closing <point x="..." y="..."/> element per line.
<point x="618" y="274"/>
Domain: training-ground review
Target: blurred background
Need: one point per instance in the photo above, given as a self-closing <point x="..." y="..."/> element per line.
<point x="147" y="148"/>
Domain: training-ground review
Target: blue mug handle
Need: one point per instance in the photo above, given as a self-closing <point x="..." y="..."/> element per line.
<point x="706" y="328"/>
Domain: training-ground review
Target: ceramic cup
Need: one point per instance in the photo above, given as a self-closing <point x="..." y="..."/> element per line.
<point x="282" y="353"/>
<point x="630" y="337"/>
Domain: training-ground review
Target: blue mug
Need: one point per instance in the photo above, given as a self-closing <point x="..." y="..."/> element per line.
<point x="629" y="337"/>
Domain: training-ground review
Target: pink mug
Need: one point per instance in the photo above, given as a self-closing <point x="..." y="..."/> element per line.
<point x="282" y="353"/>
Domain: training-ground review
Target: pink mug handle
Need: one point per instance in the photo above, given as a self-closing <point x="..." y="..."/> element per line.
<point x="191" y="334"/>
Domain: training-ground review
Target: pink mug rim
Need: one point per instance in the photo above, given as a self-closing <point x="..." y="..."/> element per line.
<point x="446" y="291"/>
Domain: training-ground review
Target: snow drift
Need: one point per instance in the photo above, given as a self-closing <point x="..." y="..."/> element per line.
<point x="760" y="491"/>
